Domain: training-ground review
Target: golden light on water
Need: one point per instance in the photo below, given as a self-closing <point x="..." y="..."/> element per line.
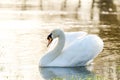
<point x="18" y="49"/>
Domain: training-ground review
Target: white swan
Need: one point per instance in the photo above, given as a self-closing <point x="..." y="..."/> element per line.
<point x="72" y="49"/>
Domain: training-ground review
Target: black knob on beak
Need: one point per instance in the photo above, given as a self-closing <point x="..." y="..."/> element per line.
<point x="49" y="38"/>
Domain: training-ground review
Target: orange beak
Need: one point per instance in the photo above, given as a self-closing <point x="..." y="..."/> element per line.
<point x="49" y="41"/>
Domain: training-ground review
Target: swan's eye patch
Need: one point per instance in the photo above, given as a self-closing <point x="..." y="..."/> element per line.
<point x="49" y="36"/>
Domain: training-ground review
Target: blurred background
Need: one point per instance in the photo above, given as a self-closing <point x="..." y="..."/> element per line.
<point x="25" y="24"/>
<point x="97" y="11"/>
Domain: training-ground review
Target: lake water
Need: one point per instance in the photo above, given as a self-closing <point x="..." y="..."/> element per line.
<point x="23" y="41"/>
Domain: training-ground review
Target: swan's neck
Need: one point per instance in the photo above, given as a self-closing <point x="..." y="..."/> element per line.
<point x="49" y="57"/>
<point x="60" y="45"/>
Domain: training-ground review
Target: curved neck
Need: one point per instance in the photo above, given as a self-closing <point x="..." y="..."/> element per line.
<point x="60" y="45"/>
<point x="50" y="56"/>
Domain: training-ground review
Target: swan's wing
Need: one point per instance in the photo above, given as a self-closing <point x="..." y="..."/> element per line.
<point x="69" y="38"/>
<point x="72" y="36"/>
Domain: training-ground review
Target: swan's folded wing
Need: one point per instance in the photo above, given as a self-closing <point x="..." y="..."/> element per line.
<point x="72" y="36"/>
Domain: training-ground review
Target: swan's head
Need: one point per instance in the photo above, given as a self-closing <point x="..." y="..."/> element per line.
<point x="54" y="34"/>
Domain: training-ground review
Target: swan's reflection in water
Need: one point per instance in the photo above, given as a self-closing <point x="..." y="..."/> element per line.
<point x="76" y="73"/>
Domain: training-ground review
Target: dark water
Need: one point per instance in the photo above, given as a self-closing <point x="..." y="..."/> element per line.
<point x="66" y="73"/>
<point x="24" y="28"/>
